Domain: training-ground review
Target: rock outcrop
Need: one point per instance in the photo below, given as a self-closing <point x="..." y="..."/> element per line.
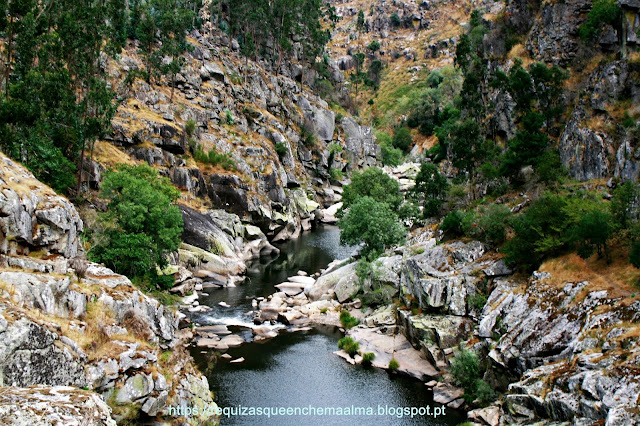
<point x="66" y="324"/>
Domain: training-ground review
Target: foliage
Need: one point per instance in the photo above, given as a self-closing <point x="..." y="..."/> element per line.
<point x="540" y="232"/>
<point x="477" y="301"/>
<point x="281" y="149"/>
<point x="390" y="156"/>
<point x="347" y="320"/>
<point x="593" y="231"/>
<point x="374" y="46"/>
<point x="433" y="106"/>
<point x="348" y="345"/>
<point x="228" y="117"/>
<point x="373" y="223"/>
<point x="374" y="183"/>
<point x="276" y="25"/>
<point x="336" y="174"/>
<point x="393" y="364"/>
<point x="490" y="224"/>
<point x="368" y="358"/>
<point x="554" y="224"/>
<point x="141" y="225"/>
<point x="549" y="167"/>
<point x="214" y="158"/>
<point x="466" y="371"/>
<point x="56" y="102"/>
<point x="603" y="12"/>
<point x="433" y="186"/>
<point x="190" y="127"/>
<point x="402" y="139"/>
<point x="625" y="197"/>
<point x="395" y="20"/>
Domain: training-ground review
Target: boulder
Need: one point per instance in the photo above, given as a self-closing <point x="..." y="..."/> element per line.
<point x="53" y="405"/>
<point x="33" y="216"/>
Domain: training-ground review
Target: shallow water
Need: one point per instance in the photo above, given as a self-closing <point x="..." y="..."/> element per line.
<point x="300" y="369"/>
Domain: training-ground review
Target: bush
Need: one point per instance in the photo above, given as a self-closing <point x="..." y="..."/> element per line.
<point x="395" y="20"/>
<point x="592" y="232"/>
<point x="374" y="183"/>
<point x="214" y="158"/>
<point x="402" y="139"/>
<point x="228" y="117"/>
<point x="433" y="186"/>
<point x="348" y="345"/>
<point x="347" y="320"/>
<point x="540" y="232"/>
<point x="549" y="167"/>
<point x="368" y="358"/>
<point x="373" y="223"/>
<point x="466" y="371"/>
<point x="603" y="12"/>
<point x="190" y="127"/>
<point x="336" y="174"/>
<point x="390" y="156"/>
<point x="477" y="301"/>
<point x="374" y="46"/>
<point x="281" y="149"/>
<point x="492" y="224"/>
<point x="141" y="225"/>
<point x="393" y="364"/>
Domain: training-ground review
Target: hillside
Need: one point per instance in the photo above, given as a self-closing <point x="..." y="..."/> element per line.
<point x="483" y="157"/>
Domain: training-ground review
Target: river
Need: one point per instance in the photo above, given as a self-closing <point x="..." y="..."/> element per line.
<point x="300" y="369"/>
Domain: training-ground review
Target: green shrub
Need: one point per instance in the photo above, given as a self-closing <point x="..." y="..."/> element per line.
<point x="549" y="167"/>
<point x="395" y="20"/>
<point x="390" y="156"/>
<point x="336" y="174"/>
<point x="433" y="186"/>
<point x="402" y="139"/>
<point x="368" y="358"/>
<point x="190" y="127"/>
<point x="214" y="158"/>
<point x="603" y="12"/>
<point x="373" y="223"/>
<point x="373" y="183"/>
<point x="228" y="117"/>
<point x="374" y="46"/>
<point x="465" y="369"/>
<point x="281" y="149"/>
<point x="141" y="225"/>
<point x="347" y="320"/>
<point x="492" y="224"/>
<point x="477" y="301"/>
<point x="348" y="345"/>
<point x="393" y="364"/>
<point x="452" y="223"/>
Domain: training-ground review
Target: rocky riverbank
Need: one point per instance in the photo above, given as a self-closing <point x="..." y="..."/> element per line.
<point x="557" y="350"/>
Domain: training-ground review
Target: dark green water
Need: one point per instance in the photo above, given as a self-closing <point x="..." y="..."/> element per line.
<point x="300" y="369"/>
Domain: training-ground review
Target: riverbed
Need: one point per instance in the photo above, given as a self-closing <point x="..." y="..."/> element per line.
<point x="299" y="369"/>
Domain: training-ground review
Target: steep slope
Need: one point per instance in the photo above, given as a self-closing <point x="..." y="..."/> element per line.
<point x="275" y="142"/>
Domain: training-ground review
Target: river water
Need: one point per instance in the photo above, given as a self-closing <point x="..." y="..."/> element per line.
<point x="299" y="369"/>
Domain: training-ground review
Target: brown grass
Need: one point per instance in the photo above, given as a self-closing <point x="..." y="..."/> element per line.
<point x="109" y="155"/>
<point x="618" y="278"/>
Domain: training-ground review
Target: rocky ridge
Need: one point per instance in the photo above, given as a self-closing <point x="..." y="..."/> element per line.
<point x="66" y="323"/>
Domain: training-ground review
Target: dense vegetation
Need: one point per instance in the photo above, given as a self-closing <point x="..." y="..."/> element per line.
<point x="368" y="214"/>
<point x="141" y="226"/>
<point x="55" y="100"/>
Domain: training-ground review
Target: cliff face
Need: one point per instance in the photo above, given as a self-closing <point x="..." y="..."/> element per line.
<point x="67" y="322"/>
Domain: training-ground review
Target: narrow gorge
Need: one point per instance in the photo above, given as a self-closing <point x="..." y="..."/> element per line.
<point x="377" y="211"/>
